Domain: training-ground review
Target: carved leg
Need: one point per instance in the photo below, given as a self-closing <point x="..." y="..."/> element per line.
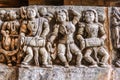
<point x="88" y="57"/>
<point x="75" y="50"/>
<point x="16" y="45"/>
<point x="29" y="56"/>
<point x="105" y="57"/>
<point x="19" y="57"/>
<point x="12" y="44"/>
<point x="49" y="59"/>
<point x="116" y="38"/>
<point x="8" y="60"/>
<point x="36" y="55"/>
<point x="44" y="54"/>
<point x="61" y="54"/>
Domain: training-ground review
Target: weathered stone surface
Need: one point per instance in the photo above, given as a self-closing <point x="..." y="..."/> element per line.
<point x="61" y="73"/>
<point x="7" y="73"/>
<point x="115" y="74"/>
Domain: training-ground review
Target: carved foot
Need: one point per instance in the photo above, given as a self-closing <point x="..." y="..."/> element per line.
<point x="47" y="66"/>
<point x="24" y="65"/>
<point x="9" y="64"/>
<point x="81" y="66"/>
<point x="94" y="65"/>
<point x="104" y="65"/>
<point x="66" y="65"/>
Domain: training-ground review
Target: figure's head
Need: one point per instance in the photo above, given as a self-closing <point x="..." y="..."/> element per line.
<point x="31" y="13"/>
<point x="61" y="15"/>
<point x="90" y="16"/>
<point x="11" y="15"/>
<point x="42" y="11"/>
<point x="2" y="14"/>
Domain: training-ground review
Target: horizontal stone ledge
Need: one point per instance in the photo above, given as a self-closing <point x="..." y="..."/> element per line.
<point x="61" y="73"/>
<point x="58" y="73"/>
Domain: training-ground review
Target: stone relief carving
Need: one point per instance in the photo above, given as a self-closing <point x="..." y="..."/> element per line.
<point x="64" y="29"/>
<point x="115" y="23"/>
<point x="91" y="35"/>
<point x="28" y="38"/>
<point x="115" y="26"/>
<point x="10" y="34"/>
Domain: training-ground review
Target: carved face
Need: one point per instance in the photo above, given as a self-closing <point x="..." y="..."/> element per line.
<point x="31" y="13"/>
<point x="61" y="16"/>
<point x="11" y="15"/>
<point x="2" y="14"/>
<point x="89" y="16"/>
<point x="42" y="11"/>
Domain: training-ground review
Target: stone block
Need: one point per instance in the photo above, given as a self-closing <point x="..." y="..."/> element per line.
<point x="61" y="73"/>
<point x="7" y="73"/>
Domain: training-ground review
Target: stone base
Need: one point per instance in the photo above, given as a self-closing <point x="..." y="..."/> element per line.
<point x="116" y="74"/>
<point x="7" y="73"/>
<point x="61" y="73"/>
<point x="58" y="73"/>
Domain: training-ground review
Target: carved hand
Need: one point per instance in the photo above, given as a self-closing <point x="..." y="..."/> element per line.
<point x="49" y="46"/>
<point x="82" y="44"/>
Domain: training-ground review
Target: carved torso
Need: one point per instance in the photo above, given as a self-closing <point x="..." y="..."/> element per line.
<point x="66" y="32"/>
<point x="92" y="30"/>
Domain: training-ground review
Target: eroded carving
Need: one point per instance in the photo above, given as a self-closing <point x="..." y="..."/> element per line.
<point x="115" y="23"/>
<point x="64" y="30"/>
<point x="33" y="36"/>
<point x="37" y="36"/>
<point x="91" y="35"/>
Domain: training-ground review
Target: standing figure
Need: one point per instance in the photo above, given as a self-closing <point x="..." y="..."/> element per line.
<point x="12" y="25"/>
<point x="91" y="35"/>
<point x="64" y="31"/>
<point x="10" y="32"/>
<point x="2" y="15"/>
<point x="116" y="27"/>
<point x="33" y="36"/>
<point x="23" y="20"/>
<point x="47" y="15"/>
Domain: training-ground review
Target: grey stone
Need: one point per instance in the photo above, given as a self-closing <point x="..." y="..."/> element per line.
<point x="7" y="73"/>
<point x="61" y="73"/>
<point x="115" y="74"/>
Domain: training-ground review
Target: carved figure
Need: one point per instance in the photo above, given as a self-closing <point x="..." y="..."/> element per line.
<point x="33" y="36"/>
<point x="10" y="32"/>
<point x="115" y="27"/>
<point x="64" y="30"/>
<point x="91" y="35"/>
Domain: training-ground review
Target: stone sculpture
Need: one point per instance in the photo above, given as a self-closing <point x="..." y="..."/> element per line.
<point x="27" y="37"/>
<point x="91" y="35"/>
<point x="64" y="30"/>
<point x="33" y="36"/>
<point x="115" y="23"/>
<point x="115" y="27"/>
<point x="10" y="33"/>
